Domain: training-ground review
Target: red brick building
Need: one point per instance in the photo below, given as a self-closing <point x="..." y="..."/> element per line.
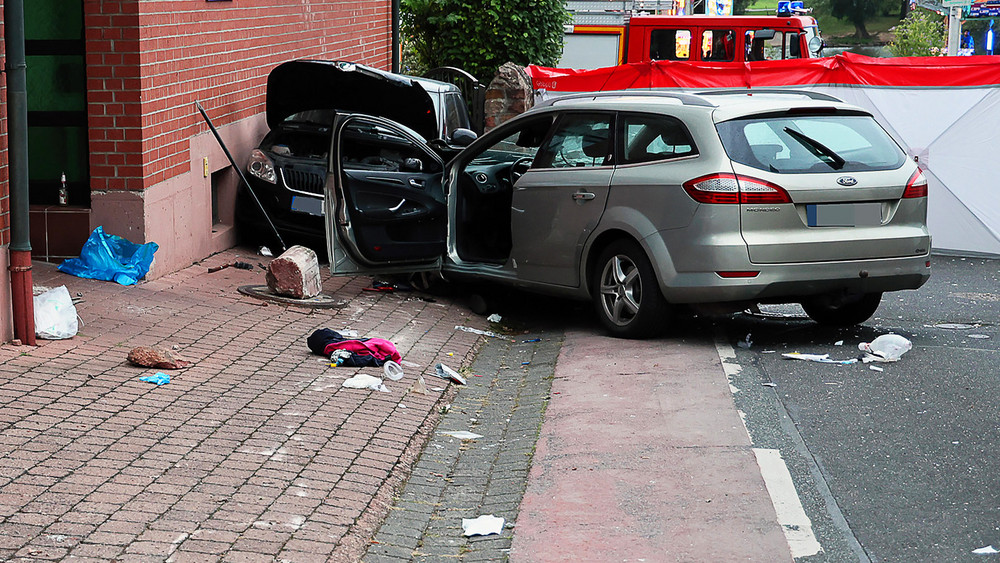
<point x="112" y="87"/>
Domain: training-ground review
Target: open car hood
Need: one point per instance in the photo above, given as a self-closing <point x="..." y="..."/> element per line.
<point x="304" y="85"/>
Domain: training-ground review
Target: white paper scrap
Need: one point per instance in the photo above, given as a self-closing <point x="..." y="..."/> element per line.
<point x="494" y="318"/>
<point x="462" y="434"/>
<point x="988" y="550"/>
<point x="821" y="358"/>
<point x="482" y="526"/>
<point x="876" y="368"/>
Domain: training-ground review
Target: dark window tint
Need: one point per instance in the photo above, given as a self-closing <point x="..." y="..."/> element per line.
<point x="654" y="137"/>
<point x="579" y="140"/>
<point x="792" y="144"/>
<point x="718" y="45"/>
<point x="670" y="45"/>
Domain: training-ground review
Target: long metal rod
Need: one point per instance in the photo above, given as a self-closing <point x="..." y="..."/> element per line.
<point x="242" y="176"/>
<point x="22" y="299"/>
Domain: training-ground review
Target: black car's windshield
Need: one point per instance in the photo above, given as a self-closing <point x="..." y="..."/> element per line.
<point x="793" y="144"/>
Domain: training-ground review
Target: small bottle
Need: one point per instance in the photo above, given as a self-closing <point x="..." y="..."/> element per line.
<point x="63" y="192"/>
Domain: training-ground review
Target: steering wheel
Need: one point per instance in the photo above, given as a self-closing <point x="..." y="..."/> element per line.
<point x="519" y="167"/>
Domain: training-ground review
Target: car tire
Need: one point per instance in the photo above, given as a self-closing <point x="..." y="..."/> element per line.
<point x="626" y="294"/>
<point x="850" y="311"/>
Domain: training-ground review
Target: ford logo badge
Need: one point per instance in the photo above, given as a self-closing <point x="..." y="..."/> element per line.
<point x="847" y="181"/>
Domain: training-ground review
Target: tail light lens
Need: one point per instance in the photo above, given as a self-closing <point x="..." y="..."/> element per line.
<point x="733" y="188"/>
<point x="916" y="186"/>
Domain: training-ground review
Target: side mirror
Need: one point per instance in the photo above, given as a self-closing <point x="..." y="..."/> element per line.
<point x="463" y="137"/>
<point x="816" y="45"/>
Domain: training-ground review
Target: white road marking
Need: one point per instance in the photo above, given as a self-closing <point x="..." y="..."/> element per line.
<point x="796" y="525"/>
<point x="787" y="506"/>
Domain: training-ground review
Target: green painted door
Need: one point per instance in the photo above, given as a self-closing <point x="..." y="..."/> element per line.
<point x="57" y="101"/>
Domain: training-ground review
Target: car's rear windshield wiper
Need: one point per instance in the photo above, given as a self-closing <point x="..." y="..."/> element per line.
<point x="817" y="148"/>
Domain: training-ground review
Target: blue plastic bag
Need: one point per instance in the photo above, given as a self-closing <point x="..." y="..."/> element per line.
<point x="111" y="258"/>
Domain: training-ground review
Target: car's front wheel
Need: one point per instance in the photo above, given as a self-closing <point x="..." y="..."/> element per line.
<point x="626" y="295"/>
<point x="842" y="311"/>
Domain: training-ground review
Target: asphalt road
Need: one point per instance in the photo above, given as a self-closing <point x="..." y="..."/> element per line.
<point x="894" y="465"/>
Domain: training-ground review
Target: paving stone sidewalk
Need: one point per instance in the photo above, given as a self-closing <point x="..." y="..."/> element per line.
<point x="254" y="453"/>
<point x="504" y="402"/>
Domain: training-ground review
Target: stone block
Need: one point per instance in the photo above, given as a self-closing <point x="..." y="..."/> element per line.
<point x="295" y="273"/>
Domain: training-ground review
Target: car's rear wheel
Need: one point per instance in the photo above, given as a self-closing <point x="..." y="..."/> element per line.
<point x="626" y="295"/>
<point x="842" y="311"/>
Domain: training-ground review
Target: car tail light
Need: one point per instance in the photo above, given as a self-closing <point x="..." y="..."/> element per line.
<point x="916" y="186"/>
<point x="732" y="188"/>
<point x="738" y="274"/>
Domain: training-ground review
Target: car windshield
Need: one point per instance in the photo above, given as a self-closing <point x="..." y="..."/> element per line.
<point x="823" y="142"/>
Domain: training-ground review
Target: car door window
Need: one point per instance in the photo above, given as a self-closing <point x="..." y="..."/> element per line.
<point x="717" y="45"/>
<point x="670" y="44"/>
<point x="579" y="140"/>
<point x="654" y="137"/>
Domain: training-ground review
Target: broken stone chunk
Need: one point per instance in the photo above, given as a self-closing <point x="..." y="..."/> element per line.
<point x="295" y="273"/>
<point x="155" y="357"/>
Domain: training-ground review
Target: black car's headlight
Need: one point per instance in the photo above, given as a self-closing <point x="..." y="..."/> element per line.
<point x="261" y="166"/>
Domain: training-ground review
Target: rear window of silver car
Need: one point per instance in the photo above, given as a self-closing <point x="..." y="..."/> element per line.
<point x="810" y="143"/>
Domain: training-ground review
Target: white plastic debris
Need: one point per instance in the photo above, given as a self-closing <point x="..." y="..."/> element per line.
<point x="265" y="251"/>
<point x="955" y="326"/>
<point x="365" y="381"/>
<point x="838" y="343"/>
<point x="392" y="370"/>
<point x="462" y="434"/>
<point x="480" y="332"/>
<point x="746" y="342"/>
<point x="820" y="358"/>
<point x="876" y="368"/>
<point x="988" y="550"/>
<point x="494" y="318"/>
<point x="445" y="372"/>
<point x="419" y="386"/>
<point x="482" y="526"/>
<point x="886" y="348"/>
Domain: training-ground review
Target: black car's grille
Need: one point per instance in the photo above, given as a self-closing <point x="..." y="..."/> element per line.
<point x="303" y="181"/>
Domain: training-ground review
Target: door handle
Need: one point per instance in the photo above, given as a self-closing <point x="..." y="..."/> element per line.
<point x="583" y="196"/>
<point x="417" y="183"/>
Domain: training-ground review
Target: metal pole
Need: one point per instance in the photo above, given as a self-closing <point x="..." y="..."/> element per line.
<point x="396" y="55"/>
<point x="954" y="29"/>
<point x="22" y="300"/>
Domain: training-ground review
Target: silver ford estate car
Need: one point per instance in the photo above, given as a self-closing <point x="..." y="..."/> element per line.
<point x="641" y="201"/>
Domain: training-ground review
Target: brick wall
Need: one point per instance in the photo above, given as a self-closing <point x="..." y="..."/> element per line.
<point x="149" y="61"/>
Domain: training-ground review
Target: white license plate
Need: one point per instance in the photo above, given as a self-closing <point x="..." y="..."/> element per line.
<point x="310" y="205"/>
<point x="844" y="214"/>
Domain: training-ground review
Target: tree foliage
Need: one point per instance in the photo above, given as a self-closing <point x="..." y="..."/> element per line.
<point x="480" y="35"/>
<point x="920" y="34"/>
<point x="857" y="12"/>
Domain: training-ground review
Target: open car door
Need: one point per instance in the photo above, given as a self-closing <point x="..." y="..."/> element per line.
<point x="385" y="205"/>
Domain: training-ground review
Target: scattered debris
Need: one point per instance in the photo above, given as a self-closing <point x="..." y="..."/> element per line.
<point x="838" y="343"/>
<point x="494" y="318"/>
<point x="238" y="265"/>
<point x="769" y="384"/>
<point x="159" y="378"/>
<point x="885" y="348"/>
<point x="380" y="286"/>
<point x="979" y="336"/>
<point x="955" y="326"/>
<point x="265" y="251"/>
<point x="745" y="343"/>
<point x="462" y="434"/>
<point x="482" y="526"/>
<point x="55" y="315"/>
<point x="876" y="368"/>
<point x="419" y="386"/>
<point x="988" y="550"/>
<point x="480" y="332"/>
<point x="445" y="372"/>
<point x="533" y="340"/>
<point x="821" y="358"/>
<point x="156" y="357"/>
<point x="365" y="381"/>
<point x="392" y="370"/>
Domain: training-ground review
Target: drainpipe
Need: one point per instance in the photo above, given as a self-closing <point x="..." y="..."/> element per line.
<point x="22" y="301"/>
<point x="395" y="36"/>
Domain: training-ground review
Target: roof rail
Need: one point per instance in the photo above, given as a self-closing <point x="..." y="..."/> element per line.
<point x="750" y="91"/>
<point x="686" y="99"/>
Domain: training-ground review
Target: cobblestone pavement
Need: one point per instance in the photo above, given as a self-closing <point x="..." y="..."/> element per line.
<point x="504" y="402"/>
<point x="253" y="453"/>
